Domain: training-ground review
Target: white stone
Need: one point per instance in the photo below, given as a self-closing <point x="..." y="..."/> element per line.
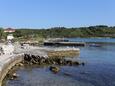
<point x="8" y="49"/>
<point x="10" y="37"/>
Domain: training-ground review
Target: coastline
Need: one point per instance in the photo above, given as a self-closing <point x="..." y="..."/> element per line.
<point x="95" y="64"/>
<point x="42" y="58"/>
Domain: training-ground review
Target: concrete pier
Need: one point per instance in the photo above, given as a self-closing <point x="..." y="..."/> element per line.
<point x="64" y="43"/>
<point x="7" y="62"/>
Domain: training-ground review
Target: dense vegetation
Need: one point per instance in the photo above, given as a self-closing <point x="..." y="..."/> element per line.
<point x="92" y="31"/>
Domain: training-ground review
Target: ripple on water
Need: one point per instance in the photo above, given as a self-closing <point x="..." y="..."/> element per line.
<point x="68" y="76"/>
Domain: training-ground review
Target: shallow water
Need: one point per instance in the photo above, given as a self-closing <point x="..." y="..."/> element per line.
<point x="99" y="69"/>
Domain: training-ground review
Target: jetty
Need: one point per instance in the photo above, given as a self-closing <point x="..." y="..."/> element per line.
<point x="7" y="62"/>
<point x="64" y="43"/>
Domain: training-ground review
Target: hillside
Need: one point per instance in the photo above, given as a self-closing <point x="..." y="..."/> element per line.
<point x="92" y="31"/>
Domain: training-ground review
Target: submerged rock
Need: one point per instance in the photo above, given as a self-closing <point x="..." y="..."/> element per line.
<point x="12" y="76"/>
<point x="54" y="69"/>
<point x="76" y="63"/>
<point x="83" y="64"/>
<point x="15" y="75"/>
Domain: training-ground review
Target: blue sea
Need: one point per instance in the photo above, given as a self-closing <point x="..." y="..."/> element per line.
<point x="99" y="68"/>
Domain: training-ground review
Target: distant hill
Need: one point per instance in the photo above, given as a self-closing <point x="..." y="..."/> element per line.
<point x="91" y="31"/>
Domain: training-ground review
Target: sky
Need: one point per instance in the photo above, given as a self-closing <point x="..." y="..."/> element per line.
<point x="56" y="13"/>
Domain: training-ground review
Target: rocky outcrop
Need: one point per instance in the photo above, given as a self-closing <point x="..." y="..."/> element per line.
<point x="35" y="59"/>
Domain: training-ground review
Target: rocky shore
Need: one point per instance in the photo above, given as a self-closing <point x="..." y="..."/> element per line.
<point x="38" y="56"/>
<point x="36" y="59"/>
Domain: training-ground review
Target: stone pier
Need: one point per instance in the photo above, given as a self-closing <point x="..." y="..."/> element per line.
<point x="7" y="62"/>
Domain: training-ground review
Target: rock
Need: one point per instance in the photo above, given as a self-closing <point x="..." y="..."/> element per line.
<point x="54" y="69"/>
<point x="69" y="62"/>
<point x="20" y="64"/>
<point x="59" y="61"/>
<point x="42" y="60"/>
<point x="51" y="61"/>
<point x="47" y="61"/>
<point x="27" y="57"/>
<point x="76" y="63"/>
<point x="13" y="76"/>
<point x="83" y="64"/>
<point x="33" y="61"/>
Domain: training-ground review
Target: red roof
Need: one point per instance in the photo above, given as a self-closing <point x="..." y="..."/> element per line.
<point x="9" y="30"/>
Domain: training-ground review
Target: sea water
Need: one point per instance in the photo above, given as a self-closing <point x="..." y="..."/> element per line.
<point x="99" y="69"/>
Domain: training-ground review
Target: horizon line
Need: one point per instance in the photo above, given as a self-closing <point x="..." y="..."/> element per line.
<point x="56" y="27"/>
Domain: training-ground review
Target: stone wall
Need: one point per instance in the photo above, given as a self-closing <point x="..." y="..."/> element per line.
<point x="6" y="65"/>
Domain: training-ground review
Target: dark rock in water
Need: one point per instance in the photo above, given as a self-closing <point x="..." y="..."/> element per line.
<point x="13" y="76"/>
<point x="69" y="62"/>
<point x="76" y="63"/>
<point x="83" y="64"/>
<point x="54" y="69"/>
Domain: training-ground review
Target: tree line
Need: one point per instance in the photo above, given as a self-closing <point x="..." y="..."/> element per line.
<point x="91" y="31"/>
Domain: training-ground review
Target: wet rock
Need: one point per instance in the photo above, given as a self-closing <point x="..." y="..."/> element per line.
<point x="20" y="64"/>
<point x="27" y="57"/>
<point x="69" y="62"/>
<point x="59" y="61"/>
<point x="83" y="64"/>
<point x="54" y="69"/>
<point x="47" y="61"/>
<point x="35" y="59"/>
<point x="42" y="60"/>
<point x="13" y="76"/>
<point x="76" y="63"/>
<point x="51" y="61"/>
